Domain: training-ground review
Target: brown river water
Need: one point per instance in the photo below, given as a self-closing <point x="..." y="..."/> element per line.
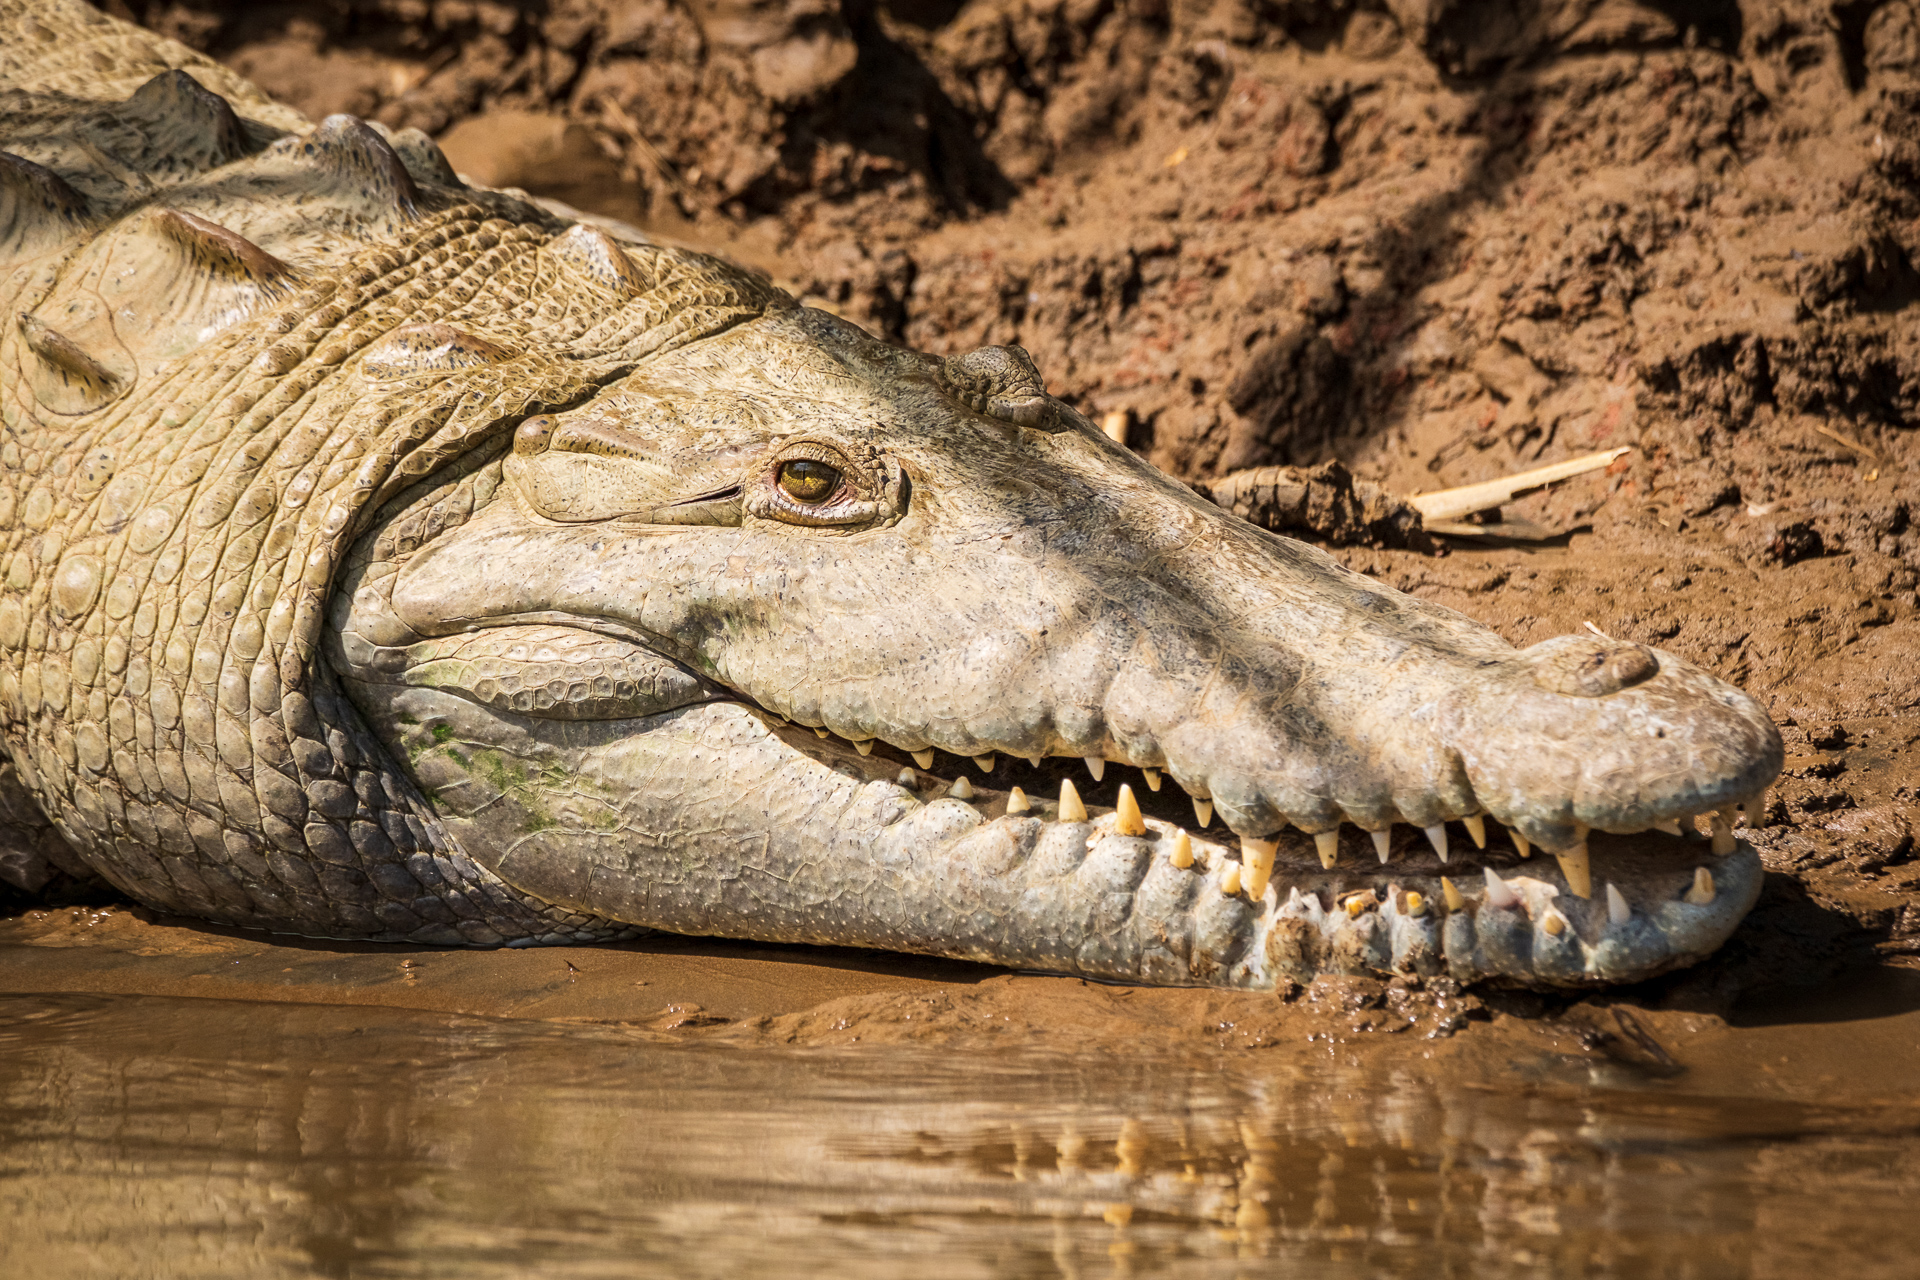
<point x="332" y="1130"/>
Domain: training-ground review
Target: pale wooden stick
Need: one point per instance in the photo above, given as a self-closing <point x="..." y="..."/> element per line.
<point x="1452" y="504"/>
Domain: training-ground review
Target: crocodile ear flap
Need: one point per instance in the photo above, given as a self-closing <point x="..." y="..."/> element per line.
<point x="1002" y="382"/>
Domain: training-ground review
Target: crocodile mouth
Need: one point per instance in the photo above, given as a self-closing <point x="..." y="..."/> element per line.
<point x="1467" y="897"/>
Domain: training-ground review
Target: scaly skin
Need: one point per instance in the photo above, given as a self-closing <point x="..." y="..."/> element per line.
<point x="394" y="560"/>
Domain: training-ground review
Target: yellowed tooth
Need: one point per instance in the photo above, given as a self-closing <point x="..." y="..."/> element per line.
<point x="1358" y="902"/>
<point x="1521" y="843"/>
<point x="1203" y="810"/>
<point x="1327" y="845"/>
<point x="1723" y="840"/>
<point x="1258" y="857"/>
<point x="1017" y="801"/>
<point x="1071" y="810"/>
<point x="1126" y="814"/>
<point x="1476" y="826"/>
<point x="1096" y="766"/>
<point x="1498" y="894"/>
<point x="1553" y="922"/>
<point x="1455" y="899"/>
<point x="1437" y="837"/>
<point x="1230" y="879"/>
<point x="1413" y="903"/>
<point x="1669" y="825"/>
<point x="1575" y="866"/>
<point x="864" y="748"/>
<point x="923" y="758"/>
<point x="961" y="789"/>
<point x="823" y="733"/>
<point x="1701" y="892"/>
<point x="1618" y="912"/>
<point x="983" y="763"/>
<point x="1153" y="778"/>
<point x="1382" y="841"/>
<point x="1182" y="855"/>
<point x="908" y="780"/>
<point x="1035" y="760"/>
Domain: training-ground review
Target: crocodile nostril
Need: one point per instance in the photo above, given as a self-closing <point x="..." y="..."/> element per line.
<point x="1595" y="670"/>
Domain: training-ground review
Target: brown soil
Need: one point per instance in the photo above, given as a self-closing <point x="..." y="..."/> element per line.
<point x="1436" y="241"/>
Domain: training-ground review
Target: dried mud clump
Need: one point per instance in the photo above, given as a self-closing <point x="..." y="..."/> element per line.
<point x="1431" y="240"/>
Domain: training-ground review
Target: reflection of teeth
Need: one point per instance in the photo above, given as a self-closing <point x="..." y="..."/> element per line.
<point x="864" y="748"/>
<point x="1096" y="766"/>
<point x="1477" y="828"/>
<point x="923" y="758"/>
<point x="1413" y="903"/>
<point x="1230" y="879"/>
<point x="1381" y="841"/>
<point x="1520" y="842"/>
<point x="1203" y="810"/>
<point x="1017" y="801"/>
<point x="1437" y="837"/>
<point x="1071" y="810"/>
<point x="1617" y="910"/>
<point x="1258" y="856"/>
<point x="1722" y="834"/>
<point x="1575" y="866"/>
<point x="1126" y="814"/>
<point x="983" y="763"/>
<point x="1327" y="845"/>
<point x="1153" y="779"/>
<point x="1455" y="899"/>
<point x="1182" y="855"/>
<point x="1700" y="893"/>
<point x="908" y="780"/>
<point x="1669" y="825"/>
<point x="1553" y="922"/>
<point x="961" y="789"/>
<point x="1497" y="891"/>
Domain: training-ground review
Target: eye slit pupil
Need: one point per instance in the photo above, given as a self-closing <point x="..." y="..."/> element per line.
<point x="808" y="481"/>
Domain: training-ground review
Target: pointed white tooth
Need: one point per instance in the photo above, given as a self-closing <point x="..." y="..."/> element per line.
<point x="1382" y="840"/>
<point x="864" y="748"/>
<point x="1437" y="837"/>
<point x="1455" y="899"/>
<point x="1755" y="809"/>
<point x="1701" y="892"/>
<point x="1669" y="825"/>
<point x="1497" y="891"/>
<point x="823" y="732"/>
<point x="1230" y="879"/>
<point x="1096" y="766"/>
<point x="983" y="763"/>
<point x="908" y="780"/>
<point x="1327" y="845"/>
<point x="1520" y="842"/>
<point x="1618" y="912"/>
<point x="1071" y="810"/>
<point x="1257" y="855"/>
<point x="961" y="789"/>
<point x="1578" y="870"/>
<point x="1182" y="855"/>
<point x="1476" y="826"/>
<point x="1203" y="810"/>
<point x="1153" y="778"/>
<point x="1723" y="841"/>
<point x="923" y="758"/>
<point x="1035" y="760"/>
<point x="1126" y="814"/>
<point x="1017" y="801"/>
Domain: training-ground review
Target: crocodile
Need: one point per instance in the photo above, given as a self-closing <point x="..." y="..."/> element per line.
<point x="389" y="558"/>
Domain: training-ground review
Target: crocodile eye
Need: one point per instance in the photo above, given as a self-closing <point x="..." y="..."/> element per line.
<point x="805" y="480"/>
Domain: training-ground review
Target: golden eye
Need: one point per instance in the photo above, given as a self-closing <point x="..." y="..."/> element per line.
<point x="808" y="481"/>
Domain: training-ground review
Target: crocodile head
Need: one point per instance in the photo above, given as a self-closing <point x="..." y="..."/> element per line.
<point x="671" y="667"/>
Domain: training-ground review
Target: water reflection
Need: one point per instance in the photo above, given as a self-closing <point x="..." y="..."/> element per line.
<point x="149" y="1136"/>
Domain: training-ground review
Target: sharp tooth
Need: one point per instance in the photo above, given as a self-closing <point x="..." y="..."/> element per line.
<point x="1497" y="892"/>
<point x="1413" y="903"/>
<point x="1071" y="810"/>
<point x="923" y="758"/>
<point x="1455" y="899"/>
<point x="1182" y="855"/>
<point x="823" y="733"/>
<point x="1437" y="837"/>
<point x="1722" y="835"/>
<point x="1258" y="856"/>
<point x="1035" y="760"/>
<point x="1477" y="828"/>
<point x="1553" y="922"/>
<point x="908" y="780"/>
<point x="1327" y="845"/>
<point x="1579" y="873"/>
<point x="1700" y="893"/>
<point x="1618" y="912"/>
<point x="1520" y="842"/>
<point x="1096" y="766"/>
<point x="1017" y="801"/>
<point x="1230" y="879"/>
<point x="961" y="789"/>
<point x="1669" y="825"/>
<point x="864" y="748"/>
<point x="983" y="763"/>
<point x="1153" y="778"/>
<point x="1203" y="810"/>
<point x="1755" y="807"/>
<point x="1381" y="841"/>
<point x="1126" y="814"/>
